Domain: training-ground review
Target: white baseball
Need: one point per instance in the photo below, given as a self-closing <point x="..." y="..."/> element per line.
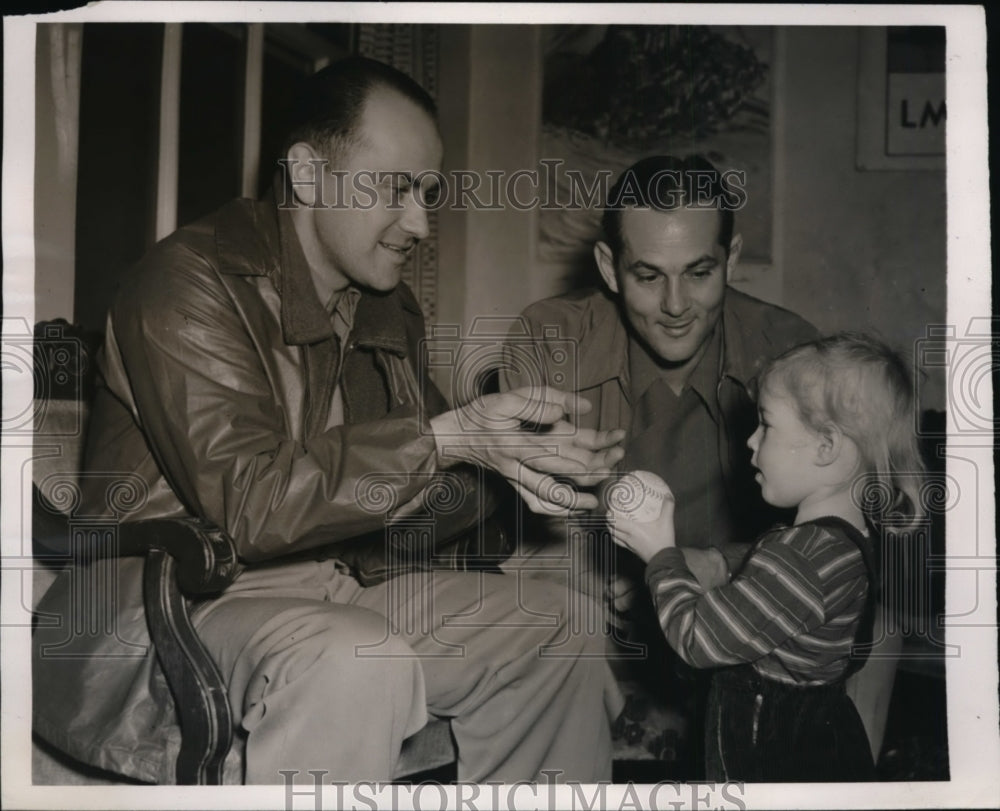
<point x="637" y="496"/>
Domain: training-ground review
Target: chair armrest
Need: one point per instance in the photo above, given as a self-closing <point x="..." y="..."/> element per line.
<point x="184" y="556"/>
<point x="204" y="554"/>
<point x="199" y="690"/>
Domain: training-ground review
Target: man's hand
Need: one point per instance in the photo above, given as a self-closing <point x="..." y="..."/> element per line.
<point x="649" y="537"/>
<point x="526" y="437"/>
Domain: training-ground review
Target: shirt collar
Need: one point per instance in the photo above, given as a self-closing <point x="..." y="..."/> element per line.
<point x="736" y="360"/>
<point x="642" y="369"/>
<point x="704" y="377"/>
<point x="610" y="337"/>
<point x="609" y="330"/>
<point x="342" y="307"/>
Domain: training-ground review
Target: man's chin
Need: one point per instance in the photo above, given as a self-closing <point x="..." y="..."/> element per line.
<point x="672" y="356"/>
<point x="381" y="282"/>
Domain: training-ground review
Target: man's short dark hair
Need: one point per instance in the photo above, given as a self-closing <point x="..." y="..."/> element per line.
<point x="666" y="183"/>
<point x="330" y="102"/>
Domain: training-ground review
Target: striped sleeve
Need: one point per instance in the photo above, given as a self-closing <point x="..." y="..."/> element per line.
<point x="777" y="595"/>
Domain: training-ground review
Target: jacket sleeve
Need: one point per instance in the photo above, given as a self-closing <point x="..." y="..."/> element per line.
<point x="203" y="400"/>
<point x="777" y="596"/>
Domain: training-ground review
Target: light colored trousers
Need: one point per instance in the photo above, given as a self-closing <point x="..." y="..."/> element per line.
<point x="327" y="675"/>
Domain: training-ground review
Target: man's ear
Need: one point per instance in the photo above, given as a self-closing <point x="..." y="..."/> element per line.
<point x="735" y="246"/>
<point x="305" y="173"/>
<point x="606" y="264"/>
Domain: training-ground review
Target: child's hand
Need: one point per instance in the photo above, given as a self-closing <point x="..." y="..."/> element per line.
<point x="646" y="538"/>
<point x="708" y="567"/>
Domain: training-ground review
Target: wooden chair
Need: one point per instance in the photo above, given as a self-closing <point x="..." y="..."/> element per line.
<point x="184" y="558"/>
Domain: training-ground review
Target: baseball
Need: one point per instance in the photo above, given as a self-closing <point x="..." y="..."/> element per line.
<point x="637" y="496"/>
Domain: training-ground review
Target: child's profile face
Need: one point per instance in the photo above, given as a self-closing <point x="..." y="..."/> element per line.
<point x="784" y="451"/>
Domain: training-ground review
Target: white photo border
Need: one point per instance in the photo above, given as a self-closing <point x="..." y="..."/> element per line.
<point x="974" y="734"/>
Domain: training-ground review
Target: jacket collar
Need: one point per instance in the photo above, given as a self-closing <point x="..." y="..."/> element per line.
<point x="257" y="238"/>
<point x="747" y="338"/>
<point x="609" y="331"/>
<point x="610" y="338"/>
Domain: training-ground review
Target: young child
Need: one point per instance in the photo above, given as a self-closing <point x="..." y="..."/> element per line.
<point x="835" y="415"/>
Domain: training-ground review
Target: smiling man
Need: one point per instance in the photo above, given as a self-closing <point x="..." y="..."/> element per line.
<point x="359" y="219"/>
<point x="260" y="368"/>
<point x="669" y="351"/>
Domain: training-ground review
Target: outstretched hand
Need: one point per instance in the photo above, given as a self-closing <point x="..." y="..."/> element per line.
<point x="525" y="436"/>
<point x="647" y="538"/>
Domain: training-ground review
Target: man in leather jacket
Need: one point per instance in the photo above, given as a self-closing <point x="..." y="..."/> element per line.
<point x="260" y="371"/>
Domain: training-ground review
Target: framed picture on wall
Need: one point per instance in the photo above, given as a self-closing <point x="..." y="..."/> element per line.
<point x="613" y="94"/>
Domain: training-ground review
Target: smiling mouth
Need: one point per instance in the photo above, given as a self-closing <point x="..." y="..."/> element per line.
<point x="676" y="329"/>
<point x="402" y="250"/>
